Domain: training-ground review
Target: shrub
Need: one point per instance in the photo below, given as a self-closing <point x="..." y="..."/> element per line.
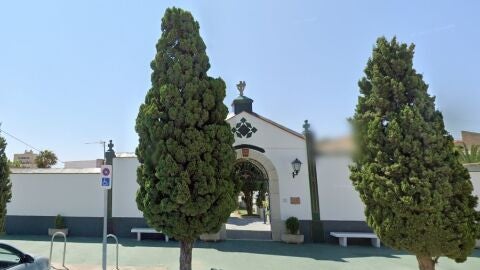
<point x="59" y="222"/>
<point x="292" y="225"/>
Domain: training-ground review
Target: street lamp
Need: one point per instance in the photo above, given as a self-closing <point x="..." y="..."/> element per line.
<point x="296" y="165"/>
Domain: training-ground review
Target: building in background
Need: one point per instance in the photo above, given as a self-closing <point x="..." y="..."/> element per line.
<point x="342" y="145"/>
<point x="27" y="159"/>
<point x="83" y="164"/>
<point x="468" y="139"/>
<point x="345" y="145"/>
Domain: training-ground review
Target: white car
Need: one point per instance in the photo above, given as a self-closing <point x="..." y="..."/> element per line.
<point x="13" y="259"/>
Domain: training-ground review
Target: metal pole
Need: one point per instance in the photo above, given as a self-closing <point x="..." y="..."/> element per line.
<point x="116" y="248"/>
<point x="105" y="219"/>
<point x="64" y="249"/>
<point x="105" y="213"/>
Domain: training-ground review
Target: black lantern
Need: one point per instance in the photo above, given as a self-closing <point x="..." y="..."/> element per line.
<point x="296" y="165"/>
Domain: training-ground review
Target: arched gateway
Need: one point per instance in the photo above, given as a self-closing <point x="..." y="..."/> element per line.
<point x="273" y="188"/>
<point x="272" y="148"/>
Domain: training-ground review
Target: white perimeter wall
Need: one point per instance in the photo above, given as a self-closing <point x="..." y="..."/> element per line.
<point x="338" y="198"/>
<point x="41" y="194"/>
<point x="475" y="174"/>
<point x="125" y="187"/>
<point x="79" y="194"/>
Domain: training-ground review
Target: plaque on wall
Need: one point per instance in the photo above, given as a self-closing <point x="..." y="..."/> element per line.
<point x="294" y="200"/>
<point x="245" y="152"/>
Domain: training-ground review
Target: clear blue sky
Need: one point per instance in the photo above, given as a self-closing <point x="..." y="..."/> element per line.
<point x="76" y="71"/>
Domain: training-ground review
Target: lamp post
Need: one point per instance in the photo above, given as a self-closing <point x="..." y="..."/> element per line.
<point x="296" y="165"/>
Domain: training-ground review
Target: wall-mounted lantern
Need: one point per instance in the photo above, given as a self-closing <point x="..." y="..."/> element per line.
<point x="296" y="165"/>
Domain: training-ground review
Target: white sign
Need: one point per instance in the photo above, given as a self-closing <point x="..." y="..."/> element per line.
<point x="106" y="176"/>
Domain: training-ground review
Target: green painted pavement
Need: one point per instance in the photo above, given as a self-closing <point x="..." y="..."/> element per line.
<point x="233" y="255"/>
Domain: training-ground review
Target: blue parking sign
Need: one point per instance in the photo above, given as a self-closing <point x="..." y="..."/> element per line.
<point x="106" y="176"/>
<point x="105" y="182"/>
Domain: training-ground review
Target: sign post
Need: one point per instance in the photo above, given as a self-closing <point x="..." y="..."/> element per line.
<point x="106" y="184"/>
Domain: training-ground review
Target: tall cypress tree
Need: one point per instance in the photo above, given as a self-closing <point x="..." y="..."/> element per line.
<point x="418" y="196"/>
<point x="185" y="144"/>
<point x="5" y="185"/>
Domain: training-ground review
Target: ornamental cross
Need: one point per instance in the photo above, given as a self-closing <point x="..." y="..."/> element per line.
<point x="241" y="87"/>
<point x="306" y="126"/>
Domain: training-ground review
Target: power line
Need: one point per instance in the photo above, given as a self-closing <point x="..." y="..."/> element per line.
<point x="18" y="139"/>
<point x="22" y="141"/>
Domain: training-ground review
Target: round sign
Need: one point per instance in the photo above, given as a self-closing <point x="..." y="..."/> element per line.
<point x="106" y="171"/>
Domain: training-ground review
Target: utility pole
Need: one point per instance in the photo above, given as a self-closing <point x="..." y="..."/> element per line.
<point x="109" y="155"/>
<point x="105" y="211"/>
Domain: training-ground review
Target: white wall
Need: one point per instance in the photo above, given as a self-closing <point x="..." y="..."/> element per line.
<point x="475" y="175"/>
<point x="125" y="187"/>
<point x="67" y="194"/>
<point x="337" y="197"/>
<point x="281" y="148"/>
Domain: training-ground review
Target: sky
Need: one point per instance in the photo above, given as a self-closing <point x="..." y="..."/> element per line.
<point x="73" y="72"/>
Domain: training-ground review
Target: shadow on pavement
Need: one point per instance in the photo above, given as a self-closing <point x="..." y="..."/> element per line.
<point x="243" y="221"/>
<point x="328" y="252"/>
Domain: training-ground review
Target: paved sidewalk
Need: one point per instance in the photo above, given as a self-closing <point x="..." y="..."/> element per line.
<point x="99" y="267"/>
<point x="247" y="228"/>
<point x="231" y="255"/>
<point x="247" y="224"/>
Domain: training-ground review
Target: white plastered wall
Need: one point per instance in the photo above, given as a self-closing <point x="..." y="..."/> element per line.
<point x="475" y="177"/>
<point x="74" y="195"/>
<point x="125" y="187"/>
<point x="337" y="197"/>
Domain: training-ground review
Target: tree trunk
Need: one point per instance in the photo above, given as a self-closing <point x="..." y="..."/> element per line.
<point x="425" y="263"/>
<point x="186" y="255"/>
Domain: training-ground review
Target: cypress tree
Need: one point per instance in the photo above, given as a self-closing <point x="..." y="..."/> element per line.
<point x="418" y="196"/>
<point x="185" y="144"/>
<point x="5" y="185"/>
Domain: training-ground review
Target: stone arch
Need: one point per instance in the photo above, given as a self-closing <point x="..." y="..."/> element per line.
<point x="273" y="187"/>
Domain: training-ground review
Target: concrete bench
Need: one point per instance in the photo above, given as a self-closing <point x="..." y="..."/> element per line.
<point x="139" y="232"/>
<point x="342" y="237"/>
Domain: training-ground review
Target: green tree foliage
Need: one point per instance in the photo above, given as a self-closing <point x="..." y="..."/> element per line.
<point x="185" y="144"/>
<point x="46" y="159"/>
<point x="5" y="185"/>
<point x="14" y="163"/>
<point x="250" y="179"/>
<point x="418" y="196"/>
<point x="467" y="155"/>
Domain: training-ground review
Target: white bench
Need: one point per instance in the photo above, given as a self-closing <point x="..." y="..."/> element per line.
<point x="342" y="237"/>
<point x="139" y="232"/>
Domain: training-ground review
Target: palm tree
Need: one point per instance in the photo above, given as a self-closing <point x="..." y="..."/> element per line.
<point x="471" y="155"/>
<point x="46" y="159"/>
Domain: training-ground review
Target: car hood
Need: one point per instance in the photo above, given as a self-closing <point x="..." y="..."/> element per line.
<point x="40" y="262"/>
